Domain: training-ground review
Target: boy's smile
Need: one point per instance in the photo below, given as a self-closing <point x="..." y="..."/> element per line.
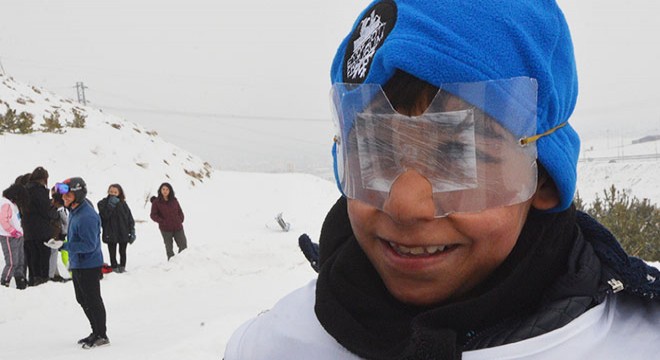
<point x="425" y="260"/>
<point x="420" y="251"/>
<point x="68" y="198"/>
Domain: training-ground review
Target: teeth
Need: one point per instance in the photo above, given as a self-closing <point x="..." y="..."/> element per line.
<point x="418" y="250"/>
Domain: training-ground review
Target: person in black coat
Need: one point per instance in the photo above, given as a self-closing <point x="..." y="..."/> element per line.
<point x="118" y="225"/>
<point x="37" y="227"/>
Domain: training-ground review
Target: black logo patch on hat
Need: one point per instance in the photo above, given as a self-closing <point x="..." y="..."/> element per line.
<point x="367" y="37"/>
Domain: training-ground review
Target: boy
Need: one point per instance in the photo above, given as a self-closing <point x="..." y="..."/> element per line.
<point x="456" y="237"/>
<point x="85" y="257"/>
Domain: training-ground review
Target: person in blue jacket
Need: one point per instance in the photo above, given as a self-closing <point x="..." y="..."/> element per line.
<point x="456" y="236"/>
<point x="85" y="257"/>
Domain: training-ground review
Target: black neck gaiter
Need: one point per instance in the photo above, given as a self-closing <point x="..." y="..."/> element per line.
<point x="354" y="306"/>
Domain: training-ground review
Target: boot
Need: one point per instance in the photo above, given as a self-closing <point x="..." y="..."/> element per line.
<point x="96" y="341"/>
<point x="4" y="283"/>
<point x="38" y="280"/>
<point x="90" y="338"/>
<point x="58" y="278"/>
<point x="21" y="283"/>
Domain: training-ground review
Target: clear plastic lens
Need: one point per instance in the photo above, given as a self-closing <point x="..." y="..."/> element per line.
<point x="440" y="147"/>
<point x="473" y="160"/>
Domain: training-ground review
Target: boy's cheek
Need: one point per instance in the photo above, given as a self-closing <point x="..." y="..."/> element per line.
<point x="361" y="215"/>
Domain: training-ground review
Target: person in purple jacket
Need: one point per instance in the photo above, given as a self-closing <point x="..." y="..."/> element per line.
<point x="166" y="211"/>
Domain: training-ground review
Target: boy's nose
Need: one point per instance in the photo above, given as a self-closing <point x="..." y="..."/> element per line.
<point x="410" y="199"/>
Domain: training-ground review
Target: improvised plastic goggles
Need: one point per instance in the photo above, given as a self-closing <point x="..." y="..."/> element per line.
<point x="474" y="144"/>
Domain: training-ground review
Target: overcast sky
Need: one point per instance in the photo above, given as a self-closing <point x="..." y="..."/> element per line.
<point x="245" y="83"/>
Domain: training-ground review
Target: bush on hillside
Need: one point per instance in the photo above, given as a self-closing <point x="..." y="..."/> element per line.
<point x="634" y="222"/>
<point x="25" y="123"/>
<point x="12" y="123"/>
<point x="78" y="120"/>
<point x="52" y="123"/>
<point x="8" y="121"/>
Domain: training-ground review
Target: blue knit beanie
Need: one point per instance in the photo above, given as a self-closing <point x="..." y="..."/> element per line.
<point x="453" y="41"/>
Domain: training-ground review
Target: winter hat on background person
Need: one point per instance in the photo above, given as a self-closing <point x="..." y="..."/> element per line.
<point x="439" y="42"/>
<point x="78" y="187"/>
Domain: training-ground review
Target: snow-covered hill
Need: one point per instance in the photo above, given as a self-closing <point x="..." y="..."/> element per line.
<point x="633" y="167"/>
<point x="107" y="150"/>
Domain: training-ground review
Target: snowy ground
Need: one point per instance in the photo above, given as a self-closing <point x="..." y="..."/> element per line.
<point x="186" y="308"/>
<point x="238" y="264"/>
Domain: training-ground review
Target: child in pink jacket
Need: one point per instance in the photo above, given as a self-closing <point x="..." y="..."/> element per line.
<point x="11" y="235"/>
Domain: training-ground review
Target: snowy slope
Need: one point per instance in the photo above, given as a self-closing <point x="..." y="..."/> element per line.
<point x="632" y="167"/>
<point x="108" y="150"/>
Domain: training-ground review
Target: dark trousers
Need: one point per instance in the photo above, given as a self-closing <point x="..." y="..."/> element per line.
<point x="177" y="236"/>
<point x="87" y="284"/>
<point x="37" y="257"/>
<point x="112" y="250"/>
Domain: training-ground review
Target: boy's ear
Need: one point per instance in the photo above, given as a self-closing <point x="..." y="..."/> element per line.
<point x="546" y="196"/>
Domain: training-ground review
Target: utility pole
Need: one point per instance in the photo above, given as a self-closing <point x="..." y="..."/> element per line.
<point x="80" y="89"/>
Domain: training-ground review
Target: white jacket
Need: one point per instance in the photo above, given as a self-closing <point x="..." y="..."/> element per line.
<point x="622" y="327"/>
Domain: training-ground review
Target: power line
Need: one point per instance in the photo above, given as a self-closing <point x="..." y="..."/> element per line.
<point x="211" y="115"/>
<point x="275" y="138"/>
<point x="245" y="134"/>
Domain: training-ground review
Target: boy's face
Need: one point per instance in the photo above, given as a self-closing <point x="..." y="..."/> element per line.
<point x="426" y="260"/>
<point x="403" y="242"/>
<point x="68" y="198"/>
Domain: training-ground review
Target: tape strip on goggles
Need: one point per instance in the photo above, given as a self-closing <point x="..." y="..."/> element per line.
<point x="469" y="144"/>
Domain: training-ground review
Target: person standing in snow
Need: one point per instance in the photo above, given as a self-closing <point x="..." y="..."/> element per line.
<point x="118" y="225"/>
<point x="37" y="229"/>
<point x="85" y="257"/>
<point x="166" y="211"/>
<point x="56" y="233"/>
<point x="63" y="214"/>
<point x="13" y="199"/>
<point x="456" y="235"/>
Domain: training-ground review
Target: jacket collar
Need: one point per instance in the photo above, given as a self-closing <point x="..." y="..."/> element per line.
<point x="620" y="271"/>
